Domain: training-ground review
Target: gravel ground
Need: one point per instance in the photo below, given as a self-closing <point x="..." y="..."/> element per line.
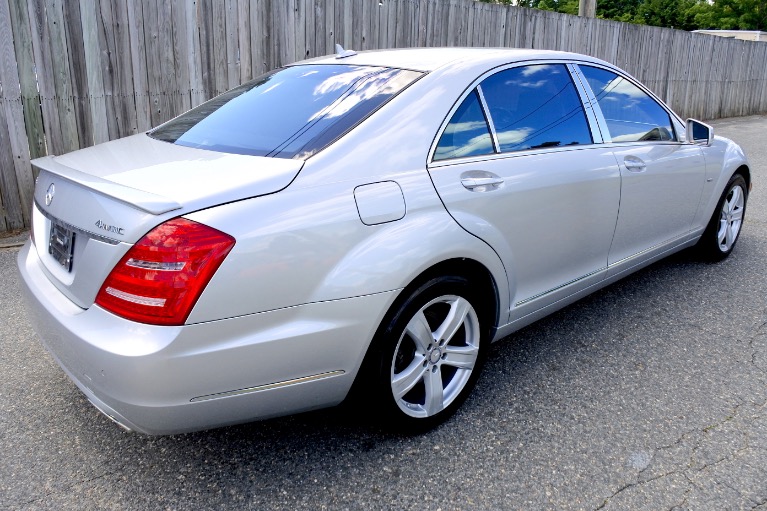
<point x="649" y="394"/>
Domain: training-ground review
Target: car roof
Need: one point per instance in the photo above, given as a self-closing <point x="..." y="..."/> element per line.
<point x="431" y="59"/>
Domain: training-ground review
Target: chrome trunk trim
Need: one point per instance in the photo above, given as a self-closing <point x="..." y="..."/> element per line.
<point x="83" y="232"/>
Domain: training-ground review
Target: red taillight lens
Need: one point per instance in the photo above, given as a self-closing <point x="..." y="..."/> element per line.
<point x="161" y="277"/>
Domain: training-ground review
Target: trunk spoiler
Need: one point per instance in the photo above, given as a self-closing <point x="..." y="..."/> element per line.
<point x="145" y="201"/>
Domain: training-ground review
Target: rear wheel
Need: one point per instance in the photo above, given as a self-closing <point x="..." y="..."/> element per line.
<point x="429" y="355"/>
<point x="723" y="229"/>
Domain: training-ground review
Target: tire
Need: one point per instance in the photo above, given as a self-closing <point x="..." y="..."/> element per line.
<point x="427" y="356"/>
<point x="724" y="228"/>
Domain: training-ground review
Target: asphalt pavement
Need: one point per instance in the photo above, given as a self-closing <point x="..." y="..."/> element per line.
<point x="649" y="394"/>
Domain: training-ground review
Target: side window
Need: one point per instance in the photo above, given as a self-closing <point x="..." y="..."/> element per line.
<point x="631" y="114"/>
<point x="467" y="133"/>
<point x="535" y="106"/>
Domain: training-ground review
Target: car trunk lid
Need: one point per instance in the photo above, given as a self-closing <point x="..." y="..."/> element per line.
<point x="93" y="204"/>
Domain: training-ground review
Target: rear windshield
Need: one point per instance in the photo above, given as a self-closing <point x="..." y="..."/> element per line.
<point x="289" y="113"/>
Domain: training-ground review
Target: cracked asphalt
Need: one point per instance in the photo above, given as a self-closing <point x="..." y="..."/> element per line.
<point x="649" y="394"/>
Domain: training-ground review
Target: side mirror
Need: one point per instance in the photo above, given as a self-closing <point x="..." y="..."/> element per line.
<point x="699" y="133"/>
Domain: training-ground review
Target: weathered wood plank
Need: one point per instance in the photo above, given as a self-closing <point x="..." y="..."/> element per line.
<point x="181" y="54"/>
<point x="77" y="71"/>
<point x="371" y="14"/>
<point x="62" y="77"/>
<point x="205" y="26"/>
<point x="126" y="104"/>
<point x="139" y="64"/>
<point x="282" y="33"/>
<point x="243" y="40"/>
<point x="16" y="142"/>
<point x="11" y="207"/>
<point x="108" y="69"/>
<point x="158" y="112"/>
<point x="41" y="48"/>
<point x="299" y="21"/>
<point x="347" y="18"/>
<point x="30" y="97"/>
<point x="170" y="96"/>
<point x="232" y="43"/>
<point x="219" y="63"/>
<point x="91" y="54"/>
<point x="261" y="37"/>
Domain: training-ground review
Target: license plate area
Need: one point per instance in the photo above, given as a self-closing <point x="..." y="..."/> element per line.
<point x="61" y="245"/>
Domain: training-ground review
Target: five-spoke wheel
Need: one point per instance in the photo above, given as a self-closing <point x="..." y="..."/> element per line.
<point x="428" y="354"/>
<point x="723" y="230"/>
<point x="435" y="356"/>
<point x="731" y="217"/>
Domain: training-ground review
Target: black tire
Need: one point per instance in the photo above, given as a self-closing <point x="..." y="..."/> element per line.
<point x="397" y="357"/>
<point x="721" y="234"/>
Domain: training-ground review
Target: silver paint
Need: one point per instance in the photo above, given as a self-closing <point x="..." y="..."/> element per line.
<point x="325" y="246"/>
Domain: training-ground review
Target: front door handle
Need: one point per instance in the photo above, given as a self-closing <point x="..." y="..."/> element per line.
<point x="480" y="181"/>
<point x="634" y="164"/>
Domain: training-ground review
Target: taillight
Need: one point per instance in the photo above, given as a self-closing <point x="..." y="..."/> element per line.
<point x="161" y="277"/>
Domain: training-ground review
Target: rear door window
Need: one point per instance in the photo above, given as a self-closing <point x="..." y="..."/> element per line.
<point x="535" y="106"/>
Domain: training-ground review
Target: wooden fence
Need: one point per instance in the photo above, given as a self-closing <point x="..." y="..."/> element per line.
<point x="74" y="73"/>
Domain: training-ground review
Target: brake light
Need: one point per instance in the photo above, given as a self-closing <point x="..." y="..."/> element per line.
<point x="161" y="277"/>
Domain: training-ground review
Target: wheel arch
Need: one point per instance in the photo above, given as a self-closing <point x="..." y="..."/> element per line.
<point x="744" y="171"/>
<point x="488" y="293"/>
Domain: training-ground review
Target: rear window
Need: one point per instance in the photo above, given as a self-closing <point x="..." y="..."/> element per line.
<point x="288" y="113"/>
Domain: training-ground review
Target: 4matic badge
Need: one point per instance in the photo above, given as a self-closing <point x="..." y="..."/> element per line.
<point x="110" y="228"/>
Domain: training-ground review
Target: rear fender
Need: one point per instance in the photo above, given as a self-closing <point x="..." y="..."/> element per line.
<point x="308" y="245"/>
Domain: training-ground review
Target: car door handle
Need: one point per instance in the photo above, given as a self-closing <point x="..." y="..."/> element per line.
<point x="634" y="164"/>
<point x="484" y="183"/>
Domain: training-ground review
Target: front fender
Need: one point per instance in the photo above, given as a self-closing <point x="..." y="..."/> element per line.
<point x="723" y="158"/>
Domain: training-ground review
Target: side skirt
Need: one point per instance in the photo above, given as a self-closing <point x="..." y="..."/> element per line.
<point x="615" y="272"/>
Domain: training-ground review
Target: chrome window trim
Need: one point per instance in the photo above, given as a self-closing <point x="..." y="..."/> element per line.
<point x="645" y="142"/>
<point x="431" y="162"/>
<point x="594" y="115"/>
<point x="488" y="119"/>
<point x="514" y="154"/>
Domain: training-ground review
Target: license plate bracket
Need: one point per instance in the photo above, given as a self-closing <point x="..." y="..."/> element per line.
<point x="61" y="245"/>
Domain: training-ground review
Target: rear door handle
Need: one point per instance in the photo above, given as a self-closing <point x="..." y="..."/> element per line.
<point x="634" y="164"/>
<point x="480" y="181"/>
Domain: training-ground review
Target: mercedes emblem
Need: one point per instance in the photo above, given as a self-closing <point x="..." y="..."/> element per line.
<point x="49" y="195"/>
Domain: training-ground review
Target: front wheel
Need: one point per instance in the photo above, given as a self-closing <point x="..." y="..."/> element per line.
<point x="429" y="355"/>
<point x="723" y="229"/>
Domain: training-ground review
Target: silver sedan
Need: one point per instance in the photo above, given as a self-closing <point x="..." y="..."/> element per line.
<point x="361" y="227"/>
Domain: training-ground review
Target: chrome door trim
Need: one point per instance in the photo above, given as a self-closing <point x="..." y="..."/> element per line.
<point x="641" y="253"/>
<point x="541" y="295"/>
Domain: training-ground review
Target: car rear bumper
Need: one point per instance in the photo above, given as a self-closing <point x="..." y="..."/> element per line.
<point x="164" y="380"/>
